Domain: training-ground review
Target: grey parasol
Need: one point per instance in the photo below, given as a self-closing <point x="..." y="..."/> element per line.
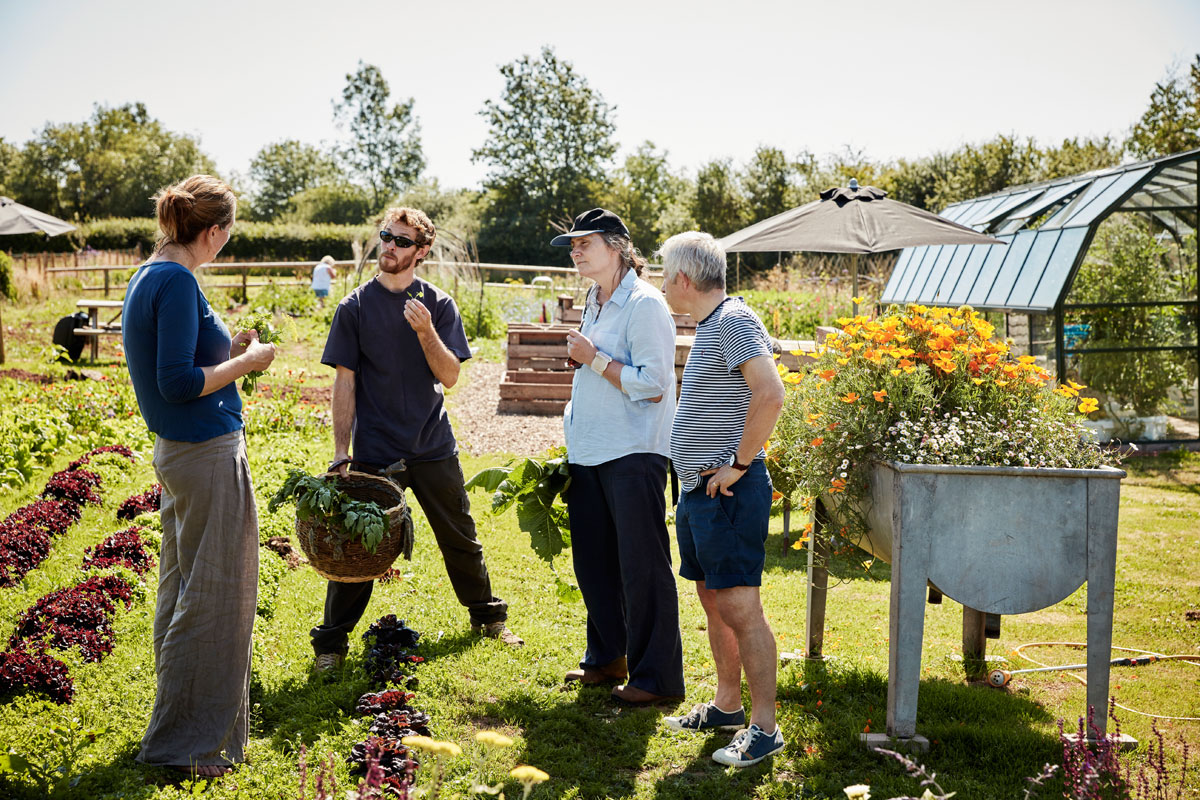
<point x="852" y="219"/>
<point x="16" y="218"/>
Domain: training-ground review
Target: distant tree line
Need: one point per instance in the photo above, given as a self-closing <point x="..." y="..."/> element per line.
<point x="549" y="154"/>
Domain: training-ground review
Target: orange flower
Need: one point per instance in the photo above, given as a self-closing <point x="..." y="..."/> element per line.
<point x="837" y="486"/>
<point x="880" y="395"/>
<point x="812" y="418"/>
<point x="776" y="496"/>
<point x="849" y="397"/>
<point x="817" y="441"/>
<point x="827" y="374"/>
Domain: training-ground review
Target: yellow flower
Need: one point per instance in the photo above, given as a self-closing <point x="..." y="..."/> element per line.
<point x="976" y="381"/>
<point x="895" y="372"/>
<point x="1088" y="405"/>
<point x="493" y="739"/>
<point x="857" y="300"/>
<point x="529" y="775"/>
<point x="843" y="361"/>
<point x="431" y="745"/>
<point x="418" y="742"/>
<point x="781" y="368"/>
<point x="793" y="377"/>
<point x="1002" y="383"/>
<point x="1076" y="386"/>
<point x="448" y="749"/>
<point x="812" y="418"/>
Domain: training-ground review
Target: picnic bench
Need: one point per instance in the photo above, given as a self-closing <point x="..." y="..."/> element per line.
<point x="95" y="328"/>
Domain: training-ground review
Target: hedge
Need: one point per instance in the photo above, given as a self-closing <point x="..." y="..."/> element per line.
<point x="252" y="241"/>
<point x="7" y="287"/>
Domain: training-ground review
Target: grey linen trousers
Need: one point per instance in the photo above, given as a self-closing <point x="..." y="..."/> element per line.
<point x="207" y="594"/>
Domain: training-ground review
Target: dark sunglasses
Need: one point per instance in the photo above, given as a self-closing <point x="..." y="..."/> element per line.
<point x="402" y="242"/>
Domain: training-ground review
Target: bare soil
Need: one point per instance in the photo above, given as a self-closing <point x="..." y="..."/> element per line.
<point x="480" y="429"/>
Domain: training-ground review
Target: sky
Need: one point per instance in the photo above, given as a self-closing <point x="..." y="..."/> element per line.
<point x="703" y="80"/>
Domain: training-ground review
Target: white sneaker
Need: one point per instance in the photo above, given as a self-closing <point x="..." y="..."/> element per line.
<point x="749" y="747"/>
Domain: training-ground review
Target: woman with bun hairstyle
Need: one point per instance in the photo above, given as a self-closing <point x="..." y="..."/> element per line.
<point x="184" y="366"/>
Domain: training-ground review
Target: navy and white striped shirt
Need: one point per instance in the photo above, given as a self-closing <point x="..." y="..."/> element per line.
<point x="715" y="397"/>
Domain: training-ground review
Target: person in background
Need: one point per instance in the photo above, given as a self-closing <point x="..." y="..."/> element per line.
<point x="617" y="429"/>
<point x="322" y="278"/>
<point x="395" y="342"/>
<point x="184" y="366"/>
<point x="730" y="399"/>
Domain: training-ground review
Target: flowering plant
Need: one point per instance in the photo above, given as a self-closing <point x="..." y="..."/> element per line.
<point x="926" y="386"/>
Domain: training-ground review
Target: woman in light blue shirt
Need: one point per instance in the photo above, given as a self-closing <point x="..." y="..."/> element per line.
<point x="618" y="427"/>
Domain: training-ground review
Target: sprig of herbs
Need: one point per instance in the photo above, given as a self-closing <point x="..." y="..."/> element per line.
<point x="264" y="323"/>
<point x="319" y="498"/>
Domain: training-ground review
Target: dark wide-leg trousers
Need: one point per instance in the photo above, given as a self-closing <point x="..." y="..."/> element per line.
<point x="438" y="488"/>
<point x="622" y="556"/>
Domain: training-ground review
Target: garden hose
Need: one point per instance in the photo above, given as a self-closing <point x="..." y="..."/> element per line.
<point x="1000" y="677"/>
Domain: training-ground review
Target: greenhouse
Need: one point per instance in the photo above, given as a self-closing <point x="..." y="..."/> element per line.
<point x="1097" y="280"/>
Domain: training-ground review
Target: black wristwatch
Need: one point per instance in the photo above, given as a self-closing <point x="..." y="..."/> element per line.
<point x="733" y="462"/>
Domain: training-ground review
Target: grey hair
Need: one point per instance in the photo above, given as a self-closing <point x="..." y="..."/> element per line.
<point x="630" y="257"/>
<point x="697" y="255"/>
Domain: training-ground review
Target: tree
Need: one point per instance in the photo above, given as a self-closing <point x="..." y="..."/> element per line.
<point x="284" y="169"/>
<point x="718" y="206"/>
<point x="983" y="169"/>
<point x="916" y="182"/>
<point x="8" y="158"/>
<point x="1172" y="122"/>
<point x="769" y="184"/>
<point x="549" y="137"/>
<point x="641" y="191"/>
<point x="337" y="202"/>
<point x="384" y="152"/>
<point x="108" y="166"/>
<point x="1076" y="156"/>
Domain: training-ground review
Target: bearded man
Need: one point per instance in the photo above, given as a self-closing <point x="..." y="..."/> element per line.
<point x="396" y="342"/>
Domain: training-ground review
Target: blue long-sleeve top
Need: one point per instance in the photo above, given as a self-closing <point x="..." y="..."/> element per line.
<point x="170" y="332"/>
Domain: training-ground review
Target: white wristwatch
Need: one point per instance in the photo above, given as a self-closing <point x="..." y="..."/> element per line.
<point x="600" y="363"/>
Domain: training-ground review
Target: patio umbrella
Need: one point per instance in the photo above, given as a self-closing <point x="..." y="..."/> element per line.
<point x="16" y="218"/>
<point x="855" y="220"/>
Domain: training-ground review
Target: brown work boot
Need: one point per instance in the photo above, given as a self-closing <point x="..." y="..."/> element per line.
<point x="612" y="672"/>
<point x="639" y="697"/>
<point x="497" y="630"/>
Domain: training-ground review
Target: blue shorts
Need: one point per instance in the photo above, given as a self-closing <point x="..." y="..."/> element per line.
<point x="321" y="292"/>
<point x="723" y="540"/>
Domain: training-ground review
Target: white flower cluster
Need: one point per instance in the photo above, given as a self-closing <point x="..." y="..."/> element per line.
<point x="967" y="437"/>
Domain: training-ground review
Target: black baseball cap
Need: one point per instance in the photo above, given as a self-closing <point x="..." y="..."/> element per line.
<point x="595" y="221"/>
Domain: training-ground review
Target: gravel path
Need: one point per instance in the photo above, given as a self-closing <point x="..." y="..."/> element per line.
<point x="479" y="429"/>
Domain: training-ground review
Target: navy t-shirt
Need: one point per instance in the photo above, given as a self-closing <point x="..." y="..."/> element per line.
<point x="399" y="410"/>
<point x="169" y="332"/>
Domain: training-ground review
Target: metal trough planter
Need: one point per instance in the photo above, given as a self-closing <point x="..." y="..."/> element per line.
<point x="999" y="540"/>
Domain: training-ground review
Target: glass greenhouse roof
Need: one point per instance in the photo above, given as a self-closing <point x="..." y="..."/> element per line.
<point x="1047" y="228"/>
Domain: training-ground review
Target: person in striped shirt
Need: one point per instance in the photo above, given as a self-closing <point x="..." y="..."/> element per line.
<point x="730" y="399"/>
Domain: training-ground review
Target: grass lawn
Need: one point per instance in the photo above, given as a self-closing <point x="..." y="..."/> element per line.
<point x="985" y="741"/>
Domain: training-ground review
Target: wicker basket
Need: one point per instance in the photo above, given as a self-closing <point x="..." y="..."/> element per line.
<point x="335" y="558"/>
